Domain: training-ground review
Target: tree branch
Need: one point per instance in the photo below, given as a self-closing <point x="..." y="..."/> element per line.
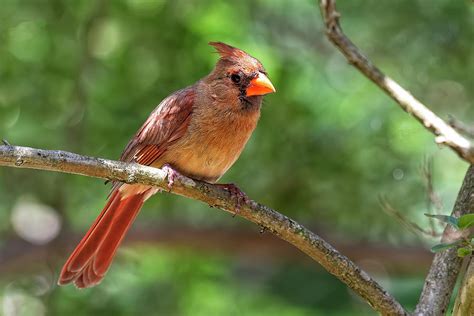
<point x="445" y="268"/>
<point x="441" y="278"/>
<point x="18" y="256"/>
<point x="444" y="133"/>
<point x="461" y="127"/>
<point x="464" y="304"/>
<point x="280" y="225"/>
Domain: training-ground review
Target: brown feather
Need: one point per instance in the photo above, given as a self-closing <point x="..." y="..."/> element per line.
<point x="227" y="51"/>
<point x="91" y="259"/>
<point x="166" y="124"/>
<point x="200" y="131"/>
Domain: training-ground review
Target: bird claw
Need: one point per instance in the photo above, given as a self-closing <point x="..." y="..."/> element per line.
<point x="171" y="175"/>
<point x="235" y="193"/>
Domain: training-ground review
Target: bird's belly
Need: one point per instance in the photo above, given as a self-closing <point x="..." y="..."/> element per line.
<point x="206" y="156"/>
<point x="207" y="160"/>
<point x="208" y="166"/>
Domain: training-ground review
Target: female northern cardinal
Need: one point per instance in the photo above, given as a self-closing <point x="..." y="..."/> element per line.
<point x="198" y="131"/>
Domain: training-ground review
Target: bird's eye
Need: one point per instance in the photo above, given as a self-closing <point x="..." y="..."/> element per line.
<point x="235" y="78"/>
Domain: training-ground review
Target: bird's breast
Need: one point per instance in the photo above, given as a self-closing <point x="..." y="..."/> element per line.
<point x="211" y="144"/>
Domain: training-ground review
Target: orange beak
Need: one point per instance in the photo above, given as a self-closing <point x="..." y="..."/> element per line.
<point x="260" y="85"/>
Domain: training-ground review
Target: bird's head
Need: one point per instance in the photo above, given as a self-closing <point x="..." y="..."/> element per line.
<point x="239" y="76"/>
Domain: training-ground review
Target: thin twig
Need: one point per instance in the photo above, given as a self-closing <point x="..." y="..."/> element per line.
<point x="411" y="226"/>
<point x="445" y="268"/>
<point x="461" y="127"/>
<point x="444" y="133"/>
<point x="280" y="225"/>
<point x="441" y="278"/>
<point x="433" y="201"/>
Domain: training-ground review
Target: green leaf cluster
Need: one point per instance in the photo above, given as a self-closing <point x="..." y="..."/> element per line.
<point x="465" y="244"/>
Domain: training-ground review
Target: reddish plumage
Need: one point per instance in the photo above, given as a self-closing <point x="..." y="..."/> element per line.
<point x="92" y="257"/>
<point x="227" y="51"/>
<point x="199" y="131"/>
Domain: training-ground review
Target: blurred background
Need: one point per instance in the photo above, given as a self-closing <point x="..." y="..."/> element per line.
<point x="331" y="151"/>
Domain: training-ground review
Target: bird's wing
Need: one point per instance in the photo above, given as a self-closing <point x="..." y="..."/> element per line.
<point x="165" y="125"/>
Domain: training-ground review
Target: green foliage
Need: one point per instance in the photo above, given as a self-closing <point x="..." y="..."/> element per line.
<point x="448" y="219"/>
<point x="464" y="251"/>
<point x="441" y="247"/>
<point x="466" y="221"/>
<point x="465" y="243"/>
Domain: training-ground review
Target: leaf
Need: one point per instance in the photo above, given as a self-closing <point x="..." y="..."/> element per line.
<point x="465" y="251"/>
<point x="441" y="247"/>
<point x="466" y="221"/>
<point x="453" y="221"/>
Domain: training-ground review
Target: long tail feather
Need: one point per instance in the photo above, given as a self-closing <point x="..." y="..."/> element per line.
<point x="91" y="259"/>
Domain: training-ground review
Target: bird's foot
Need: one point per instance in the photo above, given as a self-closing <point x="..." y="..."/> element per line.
<point x="235" y="193"/>
<point x="171" y="175"/>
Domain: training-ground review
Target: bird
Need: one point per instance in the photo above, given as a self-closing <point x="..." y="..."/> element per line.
<point x="198" y="131"/>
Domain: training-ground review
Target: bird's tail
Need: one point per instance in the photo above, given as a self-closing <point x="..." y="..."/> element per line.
<point x="91" y="259"/>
